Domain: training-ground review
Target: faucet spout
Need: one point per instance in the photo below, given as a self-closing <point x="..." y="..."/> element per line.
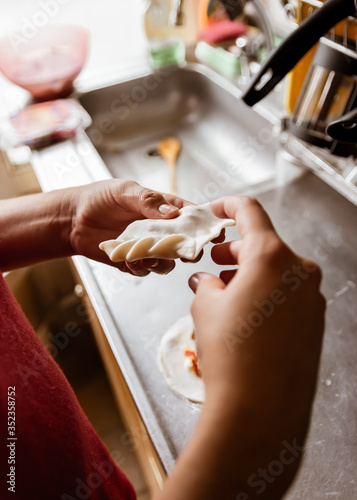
<point x="234" y="8"/>
<point x="177" y="15"/>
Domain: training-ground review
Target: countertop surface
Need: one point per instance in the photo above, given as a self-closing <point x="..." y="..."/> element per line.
<point x="318" y="223"/>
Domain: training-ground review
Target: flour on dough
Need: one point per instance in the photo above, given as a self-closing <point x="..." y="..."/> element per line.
<point x="174" y="363"/>
<point x="182" y="237"/>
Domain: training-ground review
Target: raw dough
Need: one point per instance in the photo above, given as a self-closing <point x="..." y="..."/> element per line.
<point x="174" y="363"/>
<point x="182" y="237"/>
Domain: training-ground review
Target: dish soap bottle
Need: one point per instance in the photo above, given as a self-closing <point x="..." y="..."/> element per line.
<point x="164" y="41"/>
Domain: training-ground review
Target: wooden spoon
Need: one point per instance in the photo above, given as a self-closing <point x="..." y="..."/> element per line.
<point x="170" y="148"/>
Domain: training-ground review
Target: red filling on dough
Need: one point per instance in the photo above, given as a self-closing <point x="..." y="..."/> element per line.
<point x="194" y="362"/>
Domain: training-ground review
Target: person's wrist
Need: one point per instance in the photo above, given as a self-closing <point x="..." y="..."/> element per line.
<point x="248" y="442"/>
<point x="65" y="220"/>
<point x="241" y="415"/>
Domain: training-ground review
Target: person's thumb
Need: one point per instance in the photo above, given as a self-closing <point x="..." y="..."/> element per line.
<point x="205" y="282"/>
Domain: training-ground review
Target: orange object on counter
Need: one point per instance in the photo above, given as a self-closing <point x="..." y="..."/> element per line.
<point x="217" y="16"/>
<point x="296" y="79"/>
<point x="297" y="76"/>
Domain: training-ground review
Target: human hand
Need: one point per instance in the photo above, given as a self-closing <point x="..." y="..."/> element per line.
<point x="73" y="221"/>
<point x="259" y="333"/>
<point x="104" y="209"/>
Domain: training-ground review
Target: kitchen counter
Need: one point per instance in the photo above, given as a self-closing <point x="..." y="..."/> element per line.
<point x="318" y="223"/>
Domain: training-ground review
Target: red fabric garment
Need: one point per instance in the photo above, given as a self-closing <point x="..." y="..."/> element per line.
<point x="58" y="455"/>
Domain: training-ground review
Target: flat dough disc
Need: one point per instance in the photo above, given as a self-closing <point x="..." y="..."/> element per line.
<point x="182" y="237"/>
<point x="175" y="364"/>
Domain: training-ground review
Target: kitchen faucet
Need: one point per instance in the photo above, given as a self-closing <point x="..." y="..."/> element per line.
<point x="177" y="17"/>
<point x="233" y="9"/>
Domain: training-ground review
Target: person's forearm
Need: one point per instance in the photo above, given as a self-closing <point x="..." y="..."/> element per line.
<point x="34" y="228"/>
<point x="74" y="221"/>
<point x="225" y="458"/>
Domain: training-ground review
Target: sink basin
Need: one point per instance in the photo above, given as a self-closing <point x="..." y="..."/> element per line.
<point x="227" y="148"/>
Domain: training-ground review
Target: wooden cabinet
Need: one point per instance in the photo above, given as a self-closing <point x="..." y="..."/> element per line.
<point x="16" y="173"/>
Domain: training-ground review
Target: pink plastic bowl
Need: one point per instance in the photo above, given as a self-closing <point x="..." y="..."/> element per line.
<point x="47" y="63"/>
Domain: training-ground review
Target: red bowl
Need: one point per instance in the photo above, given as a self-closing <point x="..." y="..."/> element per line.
<point x="47" y="63"/>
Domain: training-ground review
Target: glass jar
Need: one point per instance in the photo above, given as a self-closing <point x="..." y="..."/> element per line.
<point x="165" y="44"/>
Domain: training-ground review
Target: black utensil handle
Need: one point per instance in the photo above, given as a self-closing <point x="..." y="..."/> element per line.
<point x="295" y="46"/>
<point x="345" y="128"/>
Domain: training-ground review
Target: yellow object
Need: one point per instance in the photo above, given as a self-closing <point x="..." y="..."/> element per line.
<point x="296" y="79"/>
<point x="170" y="148"/>
<point x="219" y="14"/>
<point x="297" y="76"/>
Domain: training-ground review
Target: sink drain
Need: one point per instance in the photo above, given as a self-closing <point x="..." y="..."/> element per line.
<point x="152" y="153"/>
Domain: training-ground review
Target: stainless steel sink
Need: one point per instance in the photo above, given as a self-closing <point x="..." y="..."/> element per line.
<point x="227" y="147"/>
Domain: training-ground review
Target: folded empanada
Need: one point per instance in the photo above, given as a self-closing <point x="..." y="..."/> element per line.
<point x="182" y="237"/>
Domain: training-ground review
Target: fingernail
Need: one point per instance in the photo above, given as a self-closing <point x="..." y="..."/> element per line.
<point x="193" y="282"/>
<point x="166" y="209"/>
